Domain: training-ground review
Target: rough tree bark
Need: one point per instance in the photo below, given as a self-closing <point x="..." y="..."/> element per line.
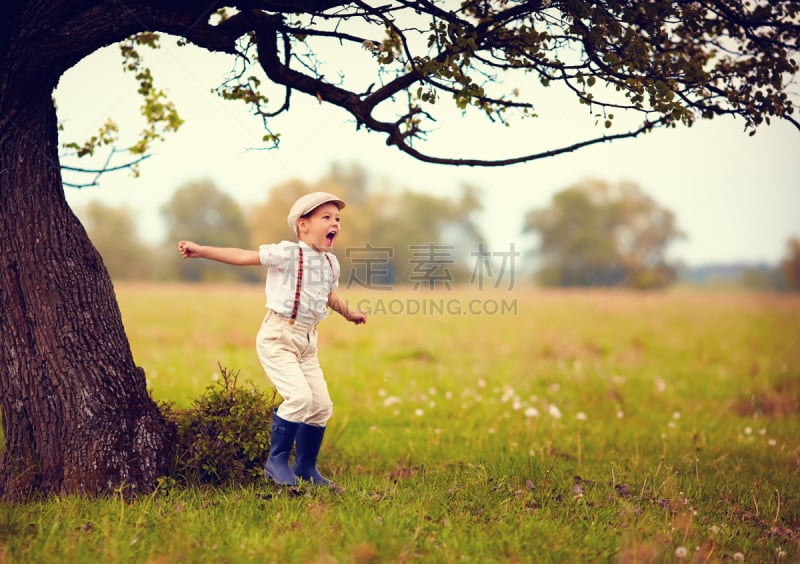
<point x="76" y="414"/>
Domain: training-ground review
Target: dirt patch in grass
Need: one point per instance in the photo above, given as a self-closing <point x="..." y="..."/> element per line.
<point x="404" y="473"/>
<point x="784" y="534"/>
<point x="780" y="401"/>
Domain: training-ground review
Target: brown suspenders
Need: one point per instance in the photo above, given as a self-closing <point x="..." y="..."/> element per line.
<point x="299" y="284"/>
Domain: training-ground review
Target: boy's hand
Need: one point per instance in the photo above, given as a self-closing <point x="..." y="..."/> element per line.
<point x="188" y="249"/>
<point x="357" y="317"/>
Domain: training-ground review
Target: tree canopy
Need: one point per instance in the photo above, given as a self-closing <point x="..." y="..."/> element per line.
<point x="596" y="234"/>
<point x="115" y="234"/>
<point x="212" y="217"/>
<point x="633" y="66"/>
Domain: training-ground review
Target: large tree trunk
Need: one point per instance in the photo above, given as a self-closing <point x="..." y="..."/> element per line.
<point x="75" y="411"/>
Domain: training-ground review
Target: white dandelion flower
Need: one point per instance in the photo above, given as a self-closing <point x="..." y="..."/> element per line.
<point x="419" y="413"/>
<point x="738" y="557"/>
<point x="681" y="552"/>
<point x="581" y="416"/>
<point x="531" y="412"/>
<point x="554" y="412"/>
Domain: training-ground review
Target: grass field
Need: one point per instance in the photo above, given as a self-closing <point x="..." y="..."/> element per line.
<point x="519" y="426"/>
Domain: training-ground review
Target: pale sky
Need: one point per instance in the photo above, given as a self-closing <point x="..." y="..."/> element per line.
<point x="736" y="197"/>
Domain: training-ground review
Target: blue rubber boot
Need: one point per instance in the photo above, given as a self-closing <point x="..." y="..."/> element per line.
<point x="309" y="439"/>
<point x="280" y="447"/>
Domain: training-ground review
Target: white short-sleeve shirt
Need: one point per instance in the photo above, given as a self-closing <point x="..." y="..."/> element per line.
<point x="320" y="278"/>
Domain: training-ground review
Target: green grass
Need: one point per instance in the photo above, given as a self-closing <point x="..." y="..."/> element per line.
<point x="678" y="429"/>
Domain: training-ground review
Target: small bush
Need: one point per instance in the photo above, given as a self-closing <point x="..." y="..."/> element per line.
<point x="224" y="437"/>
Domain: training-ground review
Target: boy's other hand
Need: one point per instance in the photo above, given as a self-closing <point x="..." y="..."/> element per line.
<point x="357" y="317"/>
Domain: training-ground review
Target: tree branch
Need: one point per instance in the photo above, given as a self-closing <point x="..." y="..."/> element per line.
<point x="647" y="127"/>
<point x="98" y="172"/>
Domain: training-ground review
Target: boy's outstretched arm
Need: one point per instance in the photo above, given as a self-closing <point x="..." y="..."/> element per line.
<point x="228" y="255"/>
<point x="338" y="305"/>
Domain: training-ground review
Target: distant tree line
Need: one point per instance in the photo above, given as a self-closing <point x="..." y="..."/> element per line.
<point x="390" y="237"/>
<point x="591" y="234"/>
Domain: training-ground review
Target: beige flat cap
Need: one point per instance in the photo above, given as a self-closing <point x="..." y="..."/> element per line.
<point x="309" y="203"/>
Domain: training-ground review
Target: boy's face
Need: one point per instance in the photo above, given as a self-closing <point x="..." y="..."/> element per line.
<point x="321" y="228"/>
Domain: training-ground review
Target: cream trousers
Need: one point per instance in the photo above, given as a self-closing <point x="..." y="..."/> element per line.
<point x="288" y="353"/>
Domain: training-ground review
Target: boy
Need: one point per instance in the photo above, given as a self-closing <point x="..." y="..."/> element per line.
<point x="302" y="279"/>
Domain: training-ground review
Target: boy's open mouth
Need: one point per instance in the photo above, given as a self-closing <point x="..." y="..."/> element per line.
<point x="330" y="237"/>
